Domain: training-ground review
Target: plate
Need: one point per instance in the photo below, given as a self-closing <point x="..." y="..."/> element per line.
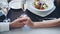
<point x="43" y="14"/>
<point x="37" y="12"/>
<point x="15" y="4"/>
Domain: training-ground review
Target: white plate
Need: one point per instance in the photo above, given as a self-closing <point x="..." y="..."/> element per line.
<point x="43" y="14"/>
<point x="37" y="12"/>
<point x="15" y="4"/>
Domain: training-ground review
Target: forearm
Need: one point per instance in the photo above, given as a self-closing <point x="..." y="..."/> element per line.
<point x="50" y="23"/>
<point x="10" y="26"/>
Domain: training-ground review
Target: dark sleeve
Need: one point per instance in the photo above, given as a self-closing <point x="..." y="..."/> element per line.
<point x="57" y="5"/>
<point x="33" y="16"/>
<point x="2" y="18"/>
<point x="9" y="1"/>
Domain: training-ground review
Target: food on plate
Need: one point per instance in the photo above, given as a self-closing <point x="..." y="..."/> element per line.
<point x="39" y="5"/>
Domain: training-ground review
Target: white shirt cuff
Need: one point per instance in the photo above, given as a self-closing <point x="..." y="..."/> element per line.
<point x="4" y="27"/>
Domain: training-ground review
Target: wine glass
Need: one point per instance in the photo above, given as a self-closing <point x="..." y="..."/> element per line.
<point x="26" y="28"/>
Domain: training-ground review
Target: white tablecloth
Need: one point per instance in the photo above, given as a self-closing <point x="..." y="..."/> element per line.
<point x="55" y="30"/>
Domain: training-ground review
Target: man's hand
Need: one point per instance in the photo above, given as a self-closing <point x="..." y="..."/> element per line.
<point x="16" y="23"/>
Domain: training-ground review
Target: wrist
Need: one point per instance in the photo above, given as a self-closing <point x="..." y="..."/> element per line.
<point x="32" y="25"/>
<point x="10" y="26"/>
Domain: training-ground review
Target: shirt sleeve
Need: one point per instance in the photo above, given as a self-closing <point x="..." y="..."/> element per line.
<point x="4" y="27"/>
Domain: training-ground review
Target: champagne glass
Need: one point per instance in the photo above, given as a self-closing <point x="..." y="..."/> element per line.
<point x="26" y="28"/>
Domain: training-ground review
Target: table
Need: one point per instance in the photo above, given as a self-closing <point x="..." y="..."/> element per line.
<point x="55" y="30"/>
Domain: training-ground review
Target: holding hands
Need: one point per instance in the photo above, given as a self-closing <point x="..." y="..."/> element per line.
<point x="27" y="21"/>
<point x="20" y="22"/>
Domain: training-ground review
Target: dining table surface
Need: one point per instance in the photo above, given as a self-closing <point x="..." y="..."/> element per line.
<point x="54" y="30"/>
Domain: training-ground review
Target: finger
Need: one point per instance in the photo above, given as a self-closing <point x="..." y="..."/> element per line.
<point x="20" y="17"/>
<point x="21" y="23"/>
